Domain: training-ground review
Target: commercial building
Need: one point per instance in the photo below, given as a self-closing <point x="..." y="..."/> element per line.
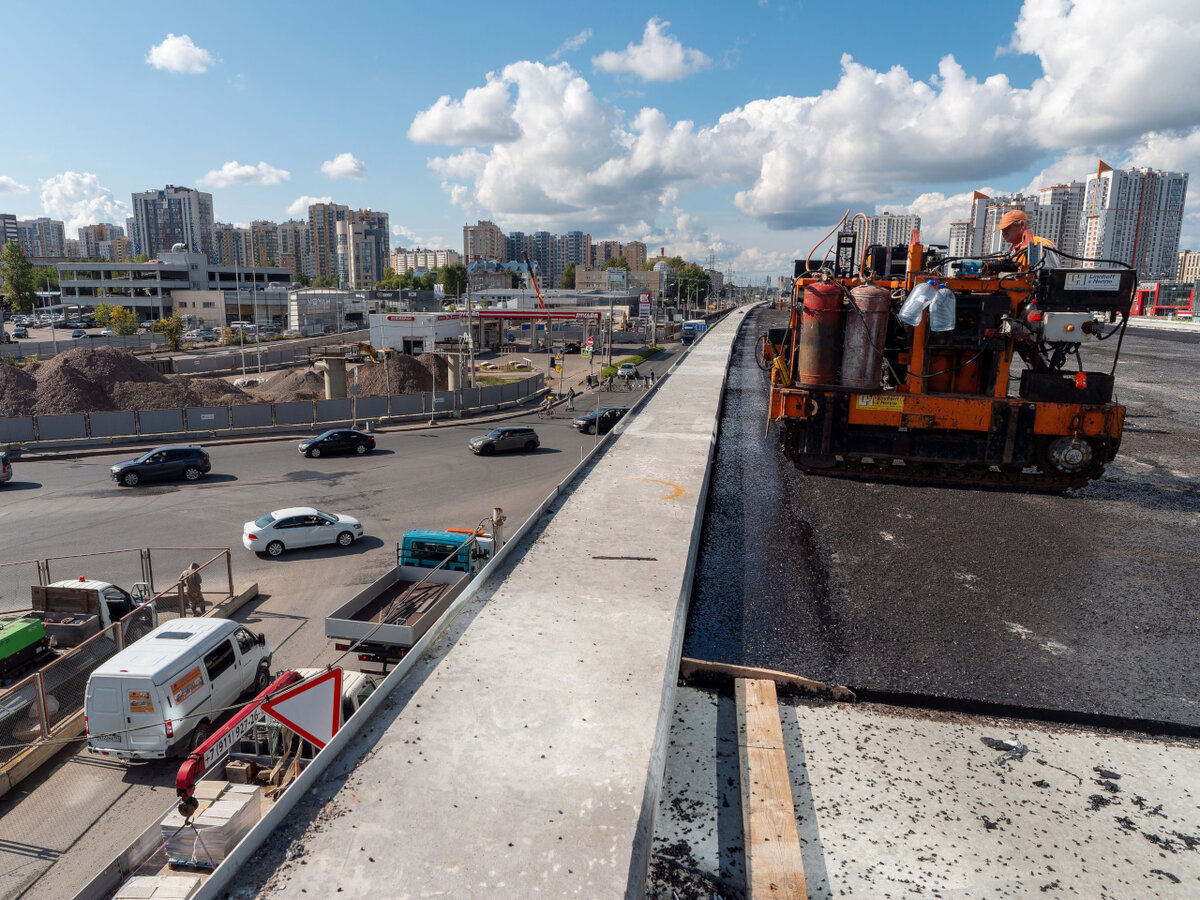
<point x="148" y="289"/>
<point x="1134" y="216"/>
<point x="174" y="215"/>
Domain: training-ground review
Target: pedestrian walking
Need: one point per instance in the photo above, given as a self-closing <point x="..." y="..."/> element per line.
<point x="652" y="378"/>
<point x="571" y="400"/>
<point x="193" y="599"/>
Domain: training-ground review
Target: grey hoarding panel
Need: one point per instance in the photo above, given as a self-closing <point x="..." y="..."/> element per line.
<point x="18" y="428"/>
<point x="490" y="395"/>
<point x="294" y="412"/>
<point x="470" y="398"/>
<point x="54" y="428"/>
<point x="510" y="392"/>
<point x="159" y="421"/>
<point x="369" y="407"/>
<point x="445" y="401"/>
<point x="105" y="424"/>
<point x="251" y="414"/>
<point x="406" y="404"/>
<point x="333" y="410"/>
<point x="206" y="418"/>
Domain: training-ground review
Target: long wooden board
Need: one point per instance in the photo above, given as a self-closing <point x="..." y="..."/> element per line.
<point x="774" y="866"/>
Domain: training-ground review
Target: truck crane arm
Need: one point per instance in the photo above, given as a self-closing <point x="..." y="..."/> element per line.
<point x="536" y="289"/>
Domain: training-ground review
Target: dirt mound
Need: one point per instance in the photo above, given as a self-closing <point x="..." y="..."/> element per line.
<point x="132" y="395"/>
<point x="109" y="365"/>
<point x="18" y="391"/>
<point x="403" y="375"/>
<point x="216" y="391"/>
<point x="298" y="384"/>
<point x="63" y="388"/>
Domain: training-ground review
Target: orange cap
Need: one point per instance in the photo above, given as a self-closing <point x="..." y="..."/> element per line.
<point x="1013" y="217"/>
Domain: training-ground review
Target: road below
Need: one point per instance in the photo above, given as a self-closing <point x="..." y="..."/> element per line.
<point x="1081" y="602"/>
<point x="60" y="827"/>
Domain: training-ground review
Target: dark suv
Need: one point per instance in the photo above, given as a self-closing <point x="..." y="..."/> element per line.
<point x="601" y="420"/>
<point x="186" y="461"/>
<point x="506" y="437"/>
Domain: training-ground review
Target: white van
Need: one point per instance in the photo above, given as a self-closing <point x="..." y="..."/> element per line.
<point x="160" y="696"/>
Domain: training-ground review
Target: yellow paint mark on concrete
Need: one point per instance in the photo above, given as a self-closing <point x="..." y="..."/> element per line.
<point x="676" y="490"/>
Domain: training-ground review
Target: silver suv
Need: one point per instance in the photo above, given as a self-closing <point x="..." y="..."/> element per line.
<point x="506" y="437"/>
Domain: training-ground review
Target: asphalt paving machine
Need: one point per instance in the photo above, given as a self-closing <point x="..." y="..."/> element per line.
<point x="998" y="395"/>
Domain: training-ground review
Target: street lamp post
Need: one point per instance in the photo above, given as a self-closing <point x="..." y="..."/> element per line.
<point x="53" y="336"/>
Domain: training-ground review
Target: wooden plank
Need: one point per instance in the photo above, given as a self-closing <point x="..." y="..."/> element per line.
<point x="774" y="866"/>
<point x="701" y="671"/>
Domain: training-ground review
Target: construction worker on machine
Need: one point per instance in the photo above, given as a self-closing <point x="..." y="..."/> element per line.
<point x="1014" y="228"/>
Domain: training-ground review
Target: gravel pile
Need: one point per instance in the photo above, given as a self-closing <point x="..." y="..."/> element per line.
<point x="18" y="391"/>
<point x="298" y="384"/>
<point x="404" y="375"/>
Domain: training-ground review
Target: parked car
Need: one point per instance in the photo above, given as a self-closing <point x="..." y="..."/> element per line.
<point x="338" y="440"/>
<point x="571" y="347"/>
<point x="5" y="336"/>
<point x="600" y="420"/>
<point x="506" y="437"/>
<point x="299" y="526"/>
<point x="78" y="333"/>
<point x="174" y="461"/>
<point x="626" y="370"/>
<point x="149" y="323"/>
<point x="106" y="332"/>
<point x="5" y="468"/>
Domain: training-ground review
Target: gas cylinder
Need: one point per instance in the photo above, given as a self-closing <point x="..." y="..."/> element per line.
<point x="866" y="328"/>
<point x="822" y="319"/>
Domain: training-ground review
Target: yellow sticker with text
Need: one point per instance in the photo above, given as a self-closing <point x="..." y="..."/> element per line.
<point x="881" y="402"/>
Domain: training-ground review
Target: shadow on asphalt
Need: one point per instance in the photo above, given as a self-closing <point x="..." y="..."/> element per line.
<point x="331" y="551"/>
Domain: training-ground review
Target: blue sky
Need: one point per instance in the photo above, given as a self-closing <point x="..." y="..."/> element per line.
<point x="743" y="130"/>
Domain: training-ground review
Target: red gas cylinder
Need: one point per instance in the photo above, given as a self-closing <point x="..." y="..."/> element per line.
<point x="866" y="328"/>
<point x="821" y="324"/>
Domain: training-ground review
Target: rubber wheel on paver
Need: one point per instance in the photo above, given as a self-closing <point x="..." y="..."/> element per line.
<point x="261" y="680"/>
<point x="202" y="733"/>
<point x="360" y="448"/>
<point x="274" y="548"/>
<point x="487" y="450"/>
<point x="314" y="452"/>
<point x="191" y="473"/>
<point x="590" y="429"/>
<point x="531" y="446"/>
<point x="129" y="479"/>
<point x="345" y="539"/>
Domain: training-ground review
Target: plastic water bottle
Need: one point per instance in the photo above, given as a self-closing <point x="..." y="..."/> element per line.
<point x="916" y="301"/>
<point x="942" y="314"/>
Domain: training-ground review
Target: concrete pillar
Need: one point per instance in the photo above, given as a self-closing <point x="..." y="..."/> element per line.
<point x="335" y="377"/>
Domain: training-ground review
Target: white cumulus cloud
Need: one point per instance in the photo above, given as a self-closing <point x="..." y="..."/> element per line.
<point x="573" y="43"/>
<point x="344" y="165"/>
<point x="78" y="199"/>
<point x="234" y="172"/>
<point x="299" y="207"/>
<point x="11" y="186"/>
<point x="177" y="53"/>
<point x="483" y="116"/>
<point x="659" y="57"/>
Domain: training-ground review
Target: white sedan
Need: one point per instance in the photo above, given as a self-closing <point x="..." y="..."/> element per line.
<point x="299" y="526"/>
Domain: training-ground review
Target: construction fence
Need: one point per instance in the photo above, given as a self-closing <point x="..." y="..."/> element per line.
<point x="291" y="414"/>
<point x="47" y="703"/>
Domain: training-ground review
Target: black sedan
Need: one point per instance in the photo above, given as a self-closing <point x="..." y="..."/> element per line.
<point x="186" y="461"/>
<point x="600" y="420"/>
<point x="338" y="440"/>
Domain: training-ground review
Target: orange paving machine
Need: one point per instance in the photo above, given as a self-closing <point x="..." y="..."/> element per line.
<point x="987" y="386"/>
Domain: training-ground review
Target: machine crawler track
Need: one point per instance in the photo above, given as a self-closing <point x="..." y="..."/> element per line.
<point x="947" y="475"/>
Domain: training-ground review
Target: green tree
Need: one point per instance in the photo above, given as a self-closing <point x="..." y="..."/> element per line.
<point x="17" y="275"/>
<point x="325" y="281"/>
<point x="303" y="280"/>
<point x="172" y="330"/>
<point x="102" y="313"/>
<point x="46" y="278"/>
<point x="390" y="282"/>
<point x="426" y="281"/>
<point x="568" y="279"/>
<point x="617" y="262"/>
<point x="454" y="279"/>
<point x="142" y="257"/>
<point x="694" y="284"/>
<point x="122" y="321"/>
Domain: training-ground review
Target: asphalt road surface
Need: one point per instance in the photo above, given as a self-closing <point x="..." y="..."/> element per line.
<point x="60" y="827"/>
<point x="1083" y="602"/>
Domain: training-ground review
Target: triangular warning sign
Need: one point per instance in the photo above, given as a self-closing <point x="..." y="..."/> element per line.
<point x="311" y="709"/>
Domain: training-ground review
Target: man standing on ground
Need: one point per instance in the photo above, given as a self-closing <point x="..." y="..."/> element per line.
<point x="192" y="597"/>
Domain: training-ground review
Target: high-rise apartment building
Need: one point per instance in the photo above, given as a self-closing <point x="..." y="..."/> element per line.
<point x="295" y="247"/>
<point x="96" y="241"/>
<point x="131" y="234"/>
<point x="362" y="249"/>
<point x="603" y="251"/>
<point x="1188" y="266"/>
<point x="403" y="260"/>
<point x="322" y="222"/>
<point x="960" y="239"/>
<point x="8" y="229"/>
<point x="886" y="229"/>
<point x="174" y="215"/>
<point x="1134" y="216"/>
<point x="574" y="247"/>
<point x="484" y="240"/>
<point x="635" y="254"/>
<point x="42" y="236"/>
<point x="1058" y="211"/>
<point x="264" y="243"/>
<point x="993" y="240"/>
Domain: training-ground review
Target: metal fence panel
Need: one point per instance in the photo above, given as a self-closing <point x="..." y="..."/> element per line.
<point x="491" y="395"/>
<point x="206" y="418"/>
<point x="294" y="412"/>
<point x="250" y="415"/>
<point x="66" y="678"/>
<point x="160" y="421"/>
<point x="470" y="398"/>
<point x="19" y="726"/>
<point x="369" y="407"/>
<point x="16" y="428"/>
<point x="56" y="428"/>
<point x="510" y="392"/>
<point x="406" y="404"/>
<point x="15" y="581"/>
<point x="444" y="401"/>
<point x="120" y="567"/>
<point x="333" y="410"/>
<point x="105" y="424"/>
